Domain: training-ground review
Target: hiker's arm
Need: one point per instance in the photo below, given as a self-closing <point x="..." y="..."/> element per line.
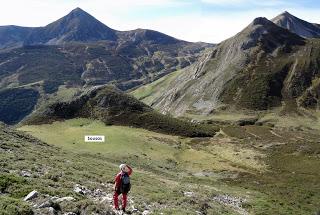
<point x="130" y="170"/>
<point x="115" y="186"/>
<point x="116" y="182"/>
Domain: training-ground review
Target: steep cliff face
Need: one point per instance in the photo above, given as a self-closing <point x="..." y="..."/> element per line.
<point x="262" y="67"/>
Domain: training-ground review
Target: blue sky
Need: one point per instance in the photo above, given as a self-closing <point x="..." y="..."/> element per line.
<point x="192" y="20"/>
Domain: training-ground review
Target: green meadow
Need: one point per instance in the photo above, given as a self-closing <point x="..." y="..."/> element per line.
<point x="271" y="171"/>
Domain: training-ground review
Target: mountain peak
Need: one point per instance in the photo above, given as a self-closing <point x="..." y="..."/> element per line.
<point x="263" y="31"/>
<point x="78" y="9"/>
<point x="261" y="21"/>
<point x="297" y="25"/>
<point x="286" y="13"/>
<point x="78" y="12"/>
<point x="77" y="26"/>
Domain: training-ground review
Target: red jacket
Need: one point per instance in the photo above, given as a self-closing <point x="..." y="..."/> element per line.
<point x="117" y="179"/>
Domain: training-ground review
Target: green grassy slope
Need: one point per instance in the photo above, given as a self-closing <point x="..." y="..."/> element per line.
<point x="56" y="168"/>
<point x="245" y="162"/>
<point x="135" y="143"/>
<point x="151" y="91"/>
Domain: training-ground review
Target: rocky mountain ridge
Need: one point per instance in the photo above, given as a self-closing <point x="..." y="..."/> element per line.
<point x="297" y="26"/>
<point x="77" y="26"/>
<point x="79" y="51"/>
<point x="262" y="67"/>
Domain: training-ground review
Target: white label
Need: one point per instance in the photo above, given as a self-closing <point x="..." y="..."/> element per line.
<point x="94" y="138"/>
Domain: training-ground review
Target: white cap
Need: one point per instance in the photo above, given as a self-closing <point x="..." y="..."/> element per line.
<point x="122" y="166"/>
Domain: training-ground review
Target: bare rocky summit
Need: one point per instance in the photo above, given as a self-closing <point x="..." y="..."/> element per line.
<point x="297" y="26"/>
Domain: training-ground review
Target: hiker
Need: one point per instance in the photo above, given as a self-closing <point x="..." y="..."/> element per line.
<point x="122" y="186"/>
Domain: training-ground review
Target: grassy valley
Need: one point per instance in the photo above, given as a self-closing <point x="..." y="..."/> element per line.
<point x="244" y="163"/>
<point x="55" y="169"/>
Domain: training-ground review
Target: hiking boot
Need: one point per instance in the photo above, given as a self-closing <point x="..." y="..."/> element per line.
<point x="125" y="211"/>
<point x="117" y="209"/>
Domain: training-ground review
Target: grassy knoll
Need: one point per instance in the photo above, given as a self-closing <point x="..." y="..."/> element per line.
<point x="114" y="107"/>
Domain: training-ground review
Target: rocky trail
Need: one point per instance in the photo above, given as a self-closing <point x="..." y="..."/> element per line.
<point x="44" y="204"/>
<point x="50" y="205"/>
<point x="102" y="195"/>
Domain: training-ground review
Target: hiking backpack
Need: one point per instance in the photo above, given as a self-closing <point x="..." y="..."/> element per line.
<point x="125" y="185"/>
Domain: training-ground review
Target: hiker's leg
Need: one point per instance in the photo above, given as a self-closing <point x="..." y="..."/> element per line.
<point x="124" y="200"/>
<point x="115" y="200"/>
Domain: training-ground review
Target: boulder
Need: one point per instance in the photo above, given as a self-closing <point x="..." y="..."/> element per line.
<point x="25" y="173"/>
<point x="81" y="189"/>
<point x="188" y="194"/>
<point x="134" y="210"/>
<point x="52" y="211"/>
<point x="146" y="212"/>
<point x="32" y="195"/>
